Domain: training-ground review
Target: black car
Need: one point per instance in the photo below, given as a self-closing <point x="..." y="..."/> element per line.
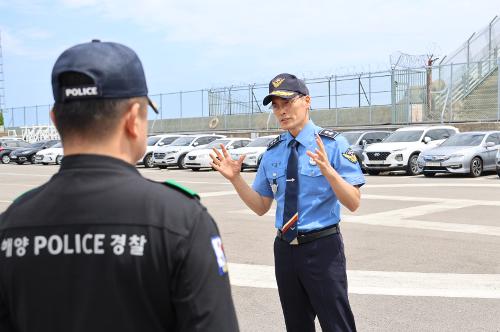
<point x="360" y="139"/>
<point x="7" y="145"/>
<point x="22" y="155"/>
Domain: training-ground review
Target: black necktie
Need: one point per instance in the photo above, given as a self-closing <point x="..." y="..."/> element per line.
<point x="290" y="213"/>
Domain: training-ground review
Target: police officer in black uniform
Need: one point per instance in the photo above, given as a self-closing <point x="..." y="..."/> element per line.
<point x="98" y="247"/>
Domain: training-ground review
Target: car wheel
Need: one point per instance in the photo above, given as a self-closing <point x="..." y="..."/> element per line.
<point x="476" y="167"/>
<point x="33" y="159"/>
<point x="59" y="160"/>
<point x="181" y="163"/>
<point x="498" y="172"/>
<point x="148" y="161"/>
<point x="429" y="175"/>
<point x="412" y="168"/>
<point x="5" y="159"/>
<point x="373" y="172"/>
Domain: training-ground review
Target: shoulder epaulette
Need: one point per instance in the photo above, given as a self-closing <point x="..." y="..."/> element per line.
<point x="188" y="192"/>
<point x="274" y="142"/>
<point x="328" y="133"/>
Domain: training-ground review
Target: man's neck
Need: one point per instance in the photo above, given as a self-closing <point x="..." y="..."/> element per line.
<point x="296" y="131"/>
<point x="104" y="149"/>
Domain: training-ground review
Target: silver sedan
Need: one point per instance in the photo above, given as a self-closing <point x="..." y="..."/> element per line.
<point x="466" y="153"/>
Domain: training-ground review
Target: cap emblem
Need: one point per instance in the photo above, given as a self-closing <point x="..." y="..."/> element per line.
<point x="277" y="82"/>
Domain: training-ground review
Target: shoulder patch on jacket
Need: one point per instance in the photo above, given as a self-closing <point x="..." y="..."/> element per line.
<point x="328" y="133"/>
<point x="186" y="191"/>
<point x="274" y="142"/>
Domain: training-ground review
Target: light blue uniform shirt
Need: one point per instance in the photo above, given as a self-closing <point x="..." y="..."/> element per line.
<point x="318" y="207"/>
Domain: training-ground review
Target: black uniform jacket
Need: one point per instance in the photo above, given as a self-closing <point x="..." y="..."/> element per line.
<point x="100" y="248"/>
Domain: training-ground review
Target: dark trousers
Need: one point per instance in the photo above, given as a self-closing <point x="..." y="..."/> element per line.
<point x="312" y="282"/>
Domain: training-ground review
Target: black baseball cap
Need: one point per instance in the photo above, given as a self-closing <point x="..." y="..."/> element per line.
<point x="115" y="70"/>
<point x="285" y="86"/>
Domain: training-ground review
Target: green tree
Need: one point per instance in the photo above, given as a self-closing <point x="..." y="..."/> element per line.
<point x="1" y="118"/>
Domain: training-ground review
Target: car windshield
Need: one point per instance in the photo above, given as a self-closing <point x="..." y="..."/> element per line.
<point x="464" y="140"/>
<point x="38" y="145"/>
<point x="169" y="140"/>
<point x="182" y="141"/>
<point x="405" y="136"/>
<point x="23" y="144"/>
<point x="260" y="142"/>
<point x="217" y="143"/>
<point x="352" y="137"/>
<point x="152" y="140"/>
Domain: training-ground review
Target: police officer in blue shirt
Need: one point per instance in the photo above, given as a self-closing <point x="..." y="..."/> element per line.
<point x="309" y="171"/>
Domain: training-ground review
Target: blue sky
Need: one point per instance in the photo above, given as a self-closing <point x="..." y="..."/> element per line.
<point x="194" y="44"/>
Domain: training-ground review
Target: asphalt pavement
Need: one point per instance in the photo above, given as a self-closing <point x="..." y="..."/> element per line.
<point x="423" y="254"/>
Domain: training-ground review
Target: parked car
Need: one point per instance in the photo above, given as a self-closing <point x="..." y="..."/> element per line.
<point x="200" y="157"/>
<point x="153" y="143"/>
<point x="498" y="162"/>
<point x="253" y="151"/>
<point x="400" y="150"/>
<point x="175" y="153"/>
<point x="7" y="145"/>
<point x="359" y="140"/>
<point x="22" y="155"/>
<point x="53" y="155"/>
<point x="470" y="152"/>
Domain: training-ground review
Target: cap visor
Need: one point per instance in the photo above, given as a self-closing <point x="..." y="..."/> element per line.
<point x="153" y="105"/>
<point x="279" y="93"/>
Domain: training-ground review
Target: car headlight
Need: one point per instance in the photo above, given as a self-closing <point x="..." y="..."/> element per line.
<point x="172" y="152"/>
<point x="456" y="156"/>
<point x="399" y="150"/>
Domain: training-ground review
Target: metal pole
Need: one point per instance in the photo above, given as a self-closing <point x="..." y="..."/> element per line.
<point x="451" y="92"/>
<point x="498" y="89"/>
<point x="161" y="106"/>
<point x="24" y="112"/>
<point x="329" y="94"/>
<point x="36" y="114"/>
<point x="336" y="105"/>
<point x="370" y="94"/>
<point x="359" y="92"/>
<point x="180" y="105"/>
<point x="202" y="103"/>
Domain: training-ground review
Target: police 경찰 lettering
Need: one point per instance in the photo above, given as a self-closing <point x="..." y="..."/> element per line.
<point x="75" y="244"/>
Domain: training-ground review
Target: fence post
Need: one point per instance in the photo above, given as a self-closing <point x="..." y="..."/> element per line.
<point x="498" y="92"/>
<point x="36" y="114"/>
<point x="180" y="106"/>
<point x="24" y="116"/>
<point x="336" y="104"/>
<point x="201" y="102"/>
<point x="370" y="94"/>
<point x="329" y="94"/>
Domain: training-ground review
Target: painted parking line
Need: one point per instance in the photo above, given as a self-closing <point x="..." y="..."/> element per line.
<point x="485" y="286"/>
<point x="408" y="217"/>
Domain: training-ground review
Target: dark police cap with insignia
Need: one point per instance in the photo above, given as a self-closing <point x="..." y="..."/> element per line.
<point x="286" y="86"/>
<point x="114" y="69"/>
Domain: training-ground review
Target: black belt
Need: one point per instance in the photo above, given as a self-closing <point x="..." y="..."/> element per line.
<point x="311" y="236"/>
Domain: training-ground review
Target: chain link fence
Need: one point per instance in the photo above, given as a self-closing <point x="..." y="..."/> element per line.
<point x="442" y="93"/>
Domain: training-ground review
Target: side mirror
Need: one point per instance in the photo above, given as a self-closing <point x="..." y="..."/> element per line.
<point x="427" y="139"/>
<point x="364" y="142"/>
<point x="490" y="144"/>
<point x="195" y="143"/>
<point x="161" y="144"/>
<point x="230" y="147"/>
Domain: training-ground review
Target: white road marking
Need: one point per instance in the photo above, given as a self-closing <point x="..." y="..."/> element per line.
<point x="19" y="184"/>
<point x="406" y="217"/>
<point x="27" y="174"/>
<point x="486" y="286"/>
<point x="218" y="193"/>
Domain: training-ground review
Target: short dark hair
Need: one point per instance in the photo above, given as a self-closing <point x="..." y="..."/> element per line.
<point x="89" y="118"/>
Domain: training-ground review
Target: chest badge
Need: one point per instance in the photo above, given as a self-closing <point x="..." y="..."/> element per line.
<point x="312" y="162"/>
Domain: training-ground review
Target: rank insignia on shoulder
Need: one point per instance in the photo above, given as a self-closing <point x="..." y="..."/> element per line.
<point x="328" y="133"/>
<point x="186" y="191"/>
<point x="349" y="155"/>
<point x="274" y="142"/>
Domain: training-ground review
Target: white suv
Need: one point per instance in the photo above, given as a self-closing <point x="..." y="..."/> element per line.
<point x="153" y="143"/>
<point x="400" y="150"/>
<point x="175" y="153"/>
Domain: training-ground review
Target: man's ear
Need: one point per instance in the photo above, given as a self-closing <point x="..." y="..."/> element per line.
<point x="132" y="120"/>
<point x="53" y="117"/>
